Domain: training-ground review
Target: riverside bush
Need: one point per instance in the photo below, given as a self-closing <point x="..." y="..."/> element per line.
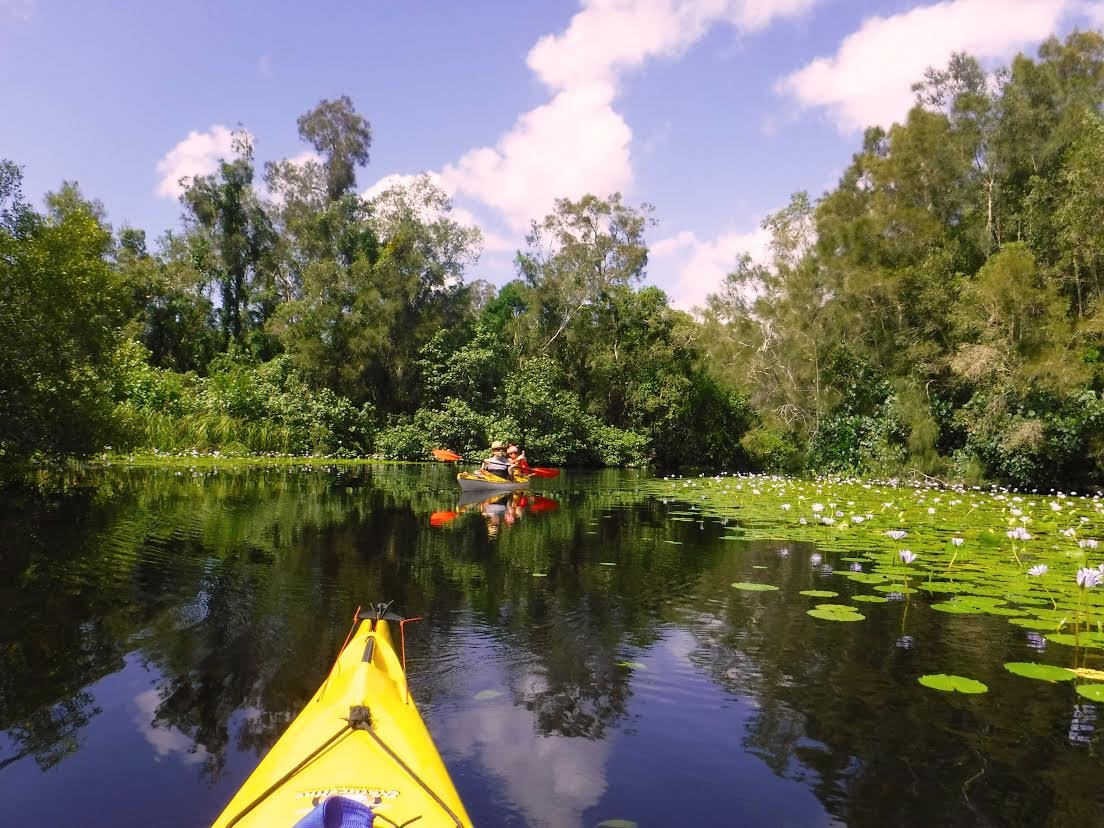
<point x="239" y="406"/>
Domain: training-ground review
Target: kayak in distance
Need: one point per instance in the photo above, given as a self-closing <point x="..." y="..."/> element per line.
<point x="358" y="754"/>
<point x="487" y="482"/>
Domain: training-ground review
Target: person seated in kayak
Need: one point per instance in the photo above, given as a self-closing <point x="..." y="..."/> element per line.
<point x="498" y="463"/>
<point x="517" y="457"/>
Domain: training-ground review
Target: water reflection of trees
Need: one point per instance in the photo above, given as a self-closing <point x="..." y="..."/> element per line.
<point x="237" y="589"/>
<point x="838" y="707"/>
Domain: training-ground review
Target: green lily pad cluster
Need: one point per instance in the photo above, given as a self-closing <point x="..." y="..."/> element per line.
<point x="966" y="551"/>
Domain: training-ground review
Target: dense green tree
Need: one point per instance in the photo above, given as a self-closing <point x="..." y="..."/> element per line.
<point x="232" y="243"/>
<point x="342" y="136"/>
<point x="61" y="307"/>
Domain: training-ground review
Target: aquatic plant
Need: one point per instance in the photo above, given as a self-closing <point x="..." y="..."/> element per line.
<point x="1026" y="559"/>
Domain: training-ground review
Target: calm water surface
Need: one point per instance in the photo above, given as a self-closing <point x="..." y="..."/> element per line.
<point x="158" y="630"/>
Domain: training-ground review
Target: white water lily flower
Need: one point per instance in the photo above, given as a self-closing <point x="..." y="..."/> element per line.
<point x="907" y="556"/>
<point x="785" y="507"/>
<point x="1038" y="569"/>
<point x="803" y="521"/>
<point x="857" y="518"/>
<point x="1088" y="543"/>
<point x="856" y="567"/>
<point x="1069" y="533"/>
<point x="1088" y="578"/>
<point x="1019" y="533"/>
<point x="1055" y="506"/>
<point x="958" y="541"/>
<point x="931" y="510"/>
<point x="818" y="508"/>
<point x="827" y="521"/>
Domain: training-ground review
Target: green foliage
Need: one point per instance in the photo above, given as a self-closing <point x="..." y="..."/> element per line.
<point x="940" y="310"/>
<point x="455" y="425"/>
<point x="61" y="307"/>
<point x="238" y="407"/>
<point x="770" y="449"/>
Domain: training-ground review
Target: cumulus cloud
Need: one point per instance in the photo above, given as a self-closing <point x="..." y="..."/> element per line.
<point x="198" y="154"/>
<point x="691" y="268"/>
<point x="574" y="144"/>
<point x="552" y="778"/>
<point x="867" y="81"/>
<point x="577" y="142"/>
<point x="492" y="241"/>
<point x="165" y="740"/>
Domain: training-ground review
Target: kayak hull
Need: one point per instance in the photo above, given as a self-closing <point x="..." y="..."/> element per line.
<point x="489" y="483"/>
<point x="386" y="759"/>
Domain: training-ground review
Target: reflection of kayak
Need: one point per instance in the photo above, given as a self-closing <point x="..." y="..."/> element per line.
<point x="467" y="499"/>
<point x="360" y="737"/>
<point x="488" y="482"/>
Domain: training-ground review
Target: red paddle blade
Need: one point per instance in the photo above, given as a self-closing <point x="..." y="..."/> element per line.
<point x="446" y="455"/>
<point x="441" y="518"/>
<point x="539" y="472"/>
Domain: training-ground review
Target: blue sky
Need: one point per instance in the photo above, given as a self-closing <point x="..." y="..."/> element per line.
<point x="714" y="111"/>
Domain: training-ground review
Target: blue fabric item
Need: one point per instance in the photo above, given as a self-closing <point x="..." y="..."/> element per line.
<point x="338" y="812"/>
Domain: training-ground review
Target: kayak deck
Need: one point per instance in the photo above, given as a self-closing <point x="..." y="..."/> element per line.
<point x="362" y="737"/>
<point x="487" y="482"/>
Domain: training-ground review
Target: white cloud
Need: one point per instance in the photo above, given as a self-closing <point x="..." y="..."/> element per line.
<point x="165" y="740"/>
<point x="577" y="142"/>
<point x="867" y="81"/>
<point x="492" y="241"/>
<point x="572" y="145"/>
<point x="690" y="268"/>
<point x="400" y="180"/>
<point x="552" y="778"/>
<point x="198" y="154"/>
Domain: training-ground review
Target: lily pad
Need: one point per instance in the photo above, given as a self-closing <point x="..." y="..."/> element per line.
<point x="835" y="612"/>
<point x="957" y="607"/>
<point x="1089" y="673"/>
<point x="753" y="587"/>
<point x="632" y="665"/>
<point x="870" y="599"/>
<point x="606" y="563"/>
<point x="1095" y="692"/>
<point x="1070" y="640"/>
<point x="540" y="574"/>
<point x="487" y="695"/>
<point x="952" y="684"/>
<point x="1043" y="672"/>
<point x="940" y="586"/>
<point x="819" y="593"/>
<point x="866" y="577"/>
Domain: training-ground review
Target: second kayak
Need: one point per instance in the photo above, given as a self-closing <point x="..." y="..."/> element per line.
<point x="487" y="482"/>
<point x="359" y="744"/>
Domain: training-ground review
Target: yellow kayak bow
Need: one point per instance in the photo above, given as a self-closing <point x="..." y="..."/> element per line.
<point x="360" y="737"/>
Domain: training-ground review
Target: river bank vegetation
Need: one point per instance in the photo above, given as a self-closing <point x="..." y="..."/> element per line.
<point x="938" y="312"/>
